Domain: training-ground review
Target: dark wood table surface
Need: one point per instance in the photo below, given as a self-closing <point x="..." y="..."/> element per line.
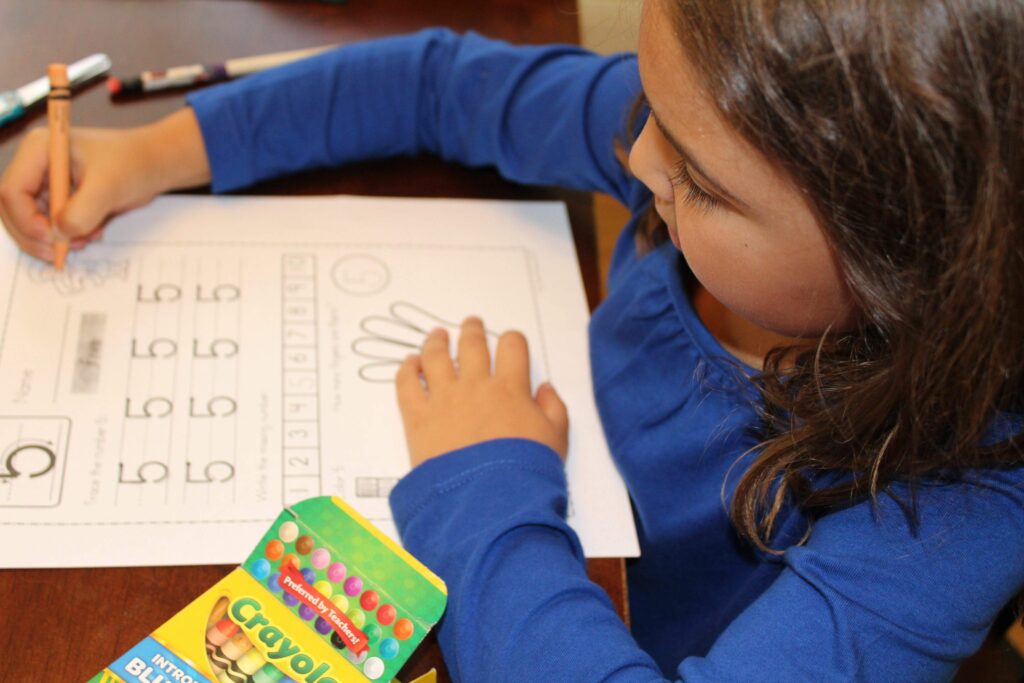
<point x="62" y="625"/>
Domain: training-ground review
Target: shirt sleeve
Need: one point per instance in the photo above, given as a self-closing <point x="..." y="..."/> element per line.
<point x="489" y="520"/>
<point x="540" y="115"/>
<point x="869" y="597"/>
<point x="875" y="596"/>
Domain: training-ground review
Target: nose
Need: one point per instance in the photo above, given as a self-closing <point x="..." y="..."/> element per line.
<point x="647" y="164"/>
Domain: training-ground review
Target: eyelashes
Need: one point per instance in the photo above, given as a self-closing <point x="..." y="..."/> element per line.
<point x="680" y="176"/>
<point x="692" y="194"/>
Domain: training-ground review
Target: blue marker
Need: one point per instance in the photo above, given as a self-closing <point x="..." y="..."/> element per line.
<point x="13" y="103"/>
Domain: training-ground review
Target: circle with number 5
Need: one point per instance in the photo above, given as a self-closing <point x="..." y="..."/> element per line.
<point x="360" y="274"/>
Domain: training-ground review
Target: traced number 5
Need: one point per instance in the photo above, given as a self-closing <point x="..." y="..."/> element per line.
<point x="157" y="473"/>
<point x="169" y="345"/>
<point x="218" y="348"/>
<point x="219" y="293"/>
<point x="160" y="293"/>
<point x="227" y="468"/>
<point x="153" y="407"/>
<point x="227" y="407"/>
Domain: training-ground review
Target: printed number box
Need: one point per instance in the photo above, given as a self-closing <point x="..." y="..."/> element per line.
<point x="324" y="598"/>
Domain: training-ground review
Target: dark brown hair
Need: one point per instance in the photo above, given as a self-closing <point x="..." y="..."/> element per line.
<point x="903" y="123"/>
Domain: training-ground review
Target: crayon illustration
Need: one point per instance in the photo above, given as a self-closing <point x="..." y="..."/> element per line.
<point x="227" y="654"/>
<point x="218" y="634"/>
<point x="245" y="666"/>
<point x="219" y="610"/>
<point x="268" y="673"/>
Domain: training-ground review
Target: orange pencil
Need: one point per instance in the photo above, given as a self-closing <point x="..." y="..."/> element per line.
<point x="58" y="113"/>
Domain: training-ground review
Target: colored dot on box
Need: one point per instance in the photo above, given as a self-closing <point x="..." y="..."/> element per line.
<point x="309" y="575"/>
<point x="274" y="549"/>
<point x="373" y="668"/>
<point x="357" y="616"/>
<point x="290" y="599"/>
<point x="272" y="582"/>
<point x="341" y="600"/>
<point x="304" y="544"/>
<point x="353" y="585"/>
<point x="373" y="633"/>
<point x="306" y="612"/>
<point x="324" y="587"/>
<point x="369" y="600"/>
<point x="320" y="558"/>
<point x="288" y="532"/>
<point x="323" y="627"/>
<point x="290" y="559"/>
<point x="260" y="569"/>
<point x="336" y="572"/>
<point x="386" y="614"/>
<point x="388" y="648"/>
<point x="402" y="629"/>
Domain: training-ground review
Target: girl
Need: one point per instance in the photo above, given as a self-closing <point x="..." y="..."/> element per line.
<point x="809" y="367"/>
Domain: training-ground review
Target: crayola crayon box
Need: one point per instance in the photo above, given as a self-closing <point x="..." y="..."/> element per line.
<point x="324" y="598"/>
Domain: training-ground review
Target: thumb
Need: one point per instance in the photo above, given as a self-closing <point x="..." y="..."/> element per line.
<point x="86" y="210"/>
<point x="554" y="410"/>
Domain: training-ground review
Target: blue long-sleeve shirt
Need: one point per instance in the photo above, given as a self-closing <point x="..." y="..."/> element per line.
<point x="866" y="598"/>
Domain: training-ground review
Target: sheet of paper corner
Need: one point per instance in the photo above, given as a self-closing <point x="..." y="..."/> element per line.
<point x="119" y="535"/>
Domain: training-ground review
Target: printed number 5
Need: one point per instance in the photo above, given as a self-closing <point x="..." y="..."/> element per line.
<point x="10" y="472"/>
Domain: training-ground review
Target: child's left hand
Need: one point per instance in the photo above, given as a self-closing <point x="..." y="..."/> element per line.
<point x="464" y="405"/>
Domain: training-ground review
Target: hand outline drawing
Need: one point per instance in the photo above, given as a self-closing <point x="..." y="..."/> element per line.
<point x="393" y="337"/>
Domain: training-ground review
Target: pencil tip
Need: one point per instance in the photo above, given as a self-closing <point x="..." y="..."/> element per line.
<point x="113" y="85"/>
<point x="60" y="255"/>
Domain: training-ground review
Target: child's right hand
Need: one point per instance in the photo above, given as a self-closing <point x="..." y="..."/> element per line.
<point x="112" y="171"/>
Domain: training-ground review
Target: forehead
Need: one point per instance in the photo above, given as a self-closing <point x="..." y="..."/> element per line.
<point x="675" y="91"/>
<point x="675" y="94"/>
<point x="670" y="82"/>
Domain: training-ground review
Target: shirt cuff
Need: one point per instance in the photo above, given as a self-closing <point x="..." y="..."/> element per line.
<point x="485" y="482"/>
<point x="230" y="166"/>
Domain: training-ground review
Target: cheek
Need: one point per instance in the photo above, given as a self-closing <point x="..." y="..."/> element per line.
<point x="793" y="290"/>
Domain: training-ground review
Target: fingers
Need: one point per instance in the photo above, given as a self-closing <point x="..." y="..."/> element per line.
<point x="20" y="186"/>
<point x="410" y="391"/>
<point x="554" y="410"/>
<point x="81" y="242"/>
<point x="42" y="250"/>
<point x="512" y="360"/>
<point x="474" y="358"/>
<point x="552" y="406"/>
<point x="511" y="364"/>
<point x="86" y="210"/>
<point x="436" y="360"/>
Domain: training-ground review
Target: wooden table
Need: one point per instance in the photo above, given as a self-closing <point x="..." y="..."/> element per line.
<point x="65" y="625"/>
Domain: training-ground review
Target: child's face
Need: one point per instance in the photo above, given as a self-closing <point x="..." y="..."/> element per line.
<point x="746" y="231"/>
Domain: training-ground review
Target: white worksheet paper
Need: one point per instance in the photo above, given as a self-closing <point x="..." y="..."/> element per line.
<point x="213" y="359"/>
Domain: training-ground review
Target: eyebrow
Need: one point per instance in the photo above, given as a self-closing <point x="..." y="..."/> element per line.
<point x="688" y="157"/>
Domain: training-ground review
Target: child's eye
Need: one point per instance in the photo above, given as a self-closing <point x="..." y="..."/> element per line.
<point x="693" y="195"/>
